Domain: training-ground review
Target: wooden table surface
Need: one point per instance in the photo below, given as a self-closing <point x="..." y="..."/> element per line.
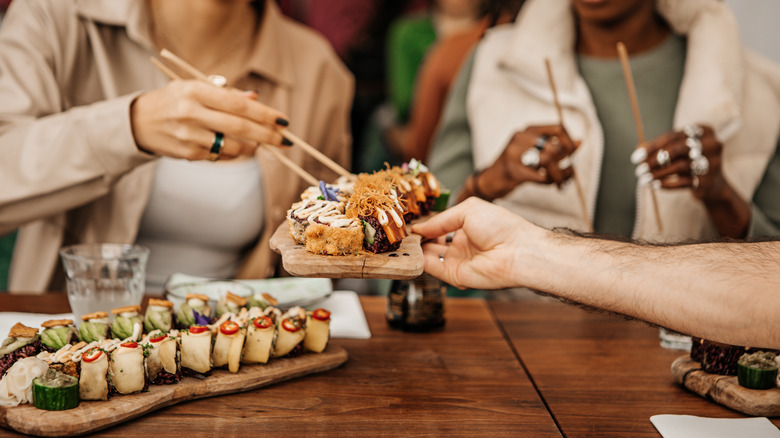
<point x="464" y="380"/>
<point x="529" y="368"/>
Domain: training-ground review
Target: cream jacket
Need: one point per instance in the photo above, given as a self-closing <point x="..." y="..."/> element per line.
<point x="70" y="170"/>
<point x="736" y="92"/>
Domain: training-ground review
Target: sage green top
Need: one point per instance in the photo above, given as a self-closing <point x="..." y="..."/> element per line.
<point x="657" y="77"/>
<point x="452" y="161"/>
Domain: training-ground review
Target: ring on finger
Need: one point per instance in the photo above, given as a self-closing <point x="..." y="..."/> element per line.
<point x="662" y="157"/>
<point x="693" y="131"/>
<point x="540" y="142"/>
<point x="441" y="258"/>
<point x="216" y="146"/>
<point x="531" y="158"/>
<point x="700" y="166"/>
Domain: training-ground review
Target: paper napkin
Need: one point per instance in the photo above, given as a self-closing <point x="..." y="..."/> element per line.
<point x="689" y="426"/>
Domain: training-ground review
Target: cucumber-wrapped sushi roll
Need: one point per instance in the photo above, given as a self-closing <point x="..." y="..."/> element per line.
<point x="92" y="381"/>
<point x="196" y="349"/>
<point x="194" y="310"/>
<point x="162" y="363"/>
<point x="317" y="331"/>
<point x="230" y="303"/>
<point x="125" y="320"/>
<point x="58" y="332"/>
<point x="261" y="301"/>
<point x="159" y="316"/>
<point x="55" y="391"/>
<point x="94" y="327"/>
<point x="291" y="331"/>
<point x="757" y="370"/>
<point x="260" y="337"/>
<point x="228" y="346"/>
<point x="126" y="368"/>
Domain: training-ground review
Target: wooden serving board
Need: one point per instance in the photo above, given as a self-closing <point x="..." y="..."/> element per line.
<point x="726" y="390"/>
<point x="91" y="416"/>
<point x="405" y="263"/>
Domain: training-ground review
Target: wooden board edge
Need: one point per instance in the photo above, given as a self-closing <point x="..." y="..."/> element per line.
<point x="16" y="418"/>
<point x="725" y="390"/>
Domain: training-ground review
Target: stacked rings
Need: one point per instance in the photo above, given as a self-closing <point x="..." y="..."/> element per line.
<point x="662" y="157"/>
<point x="700" y="165"/>
<point x="216" y="146"/>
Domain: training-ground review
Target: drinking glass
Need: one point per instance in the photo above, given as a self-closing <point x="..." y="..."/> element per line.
<point x="104" y="276"/>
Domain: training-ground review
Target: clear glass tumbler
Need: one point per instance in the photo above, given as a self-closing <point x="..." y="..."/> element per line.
<point x="104" y="276"/>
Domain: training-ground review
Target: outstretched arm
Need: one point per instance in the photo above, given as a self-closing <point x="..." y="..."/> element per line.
<point x="725" y="292"/>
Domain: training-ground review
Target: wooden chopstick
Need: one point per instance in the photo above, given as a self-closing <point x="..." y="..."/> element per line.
<point x="640" y="131"/>
<point x="577" y="184"/>
<point x="306" y="176"/>
<point x="311" y="150"/>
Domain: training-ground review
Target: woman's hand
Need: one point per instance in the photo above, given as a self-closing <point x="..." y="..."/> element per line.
<point x="181" y="119"/>
<point x="538" y="154"/>
<point x="488" y="245"/>
<point x="691" y="158"/>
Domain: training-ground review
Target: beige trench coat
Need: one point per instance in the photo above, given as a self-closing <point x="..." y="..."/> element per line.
<point x="70" y="170"/>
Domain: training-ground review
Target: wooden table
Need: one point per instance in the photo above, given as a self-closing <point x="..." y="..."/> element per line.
<point x="599" y="374"/>
<point x="464" y="380"/>
<point x="530" y="368"/>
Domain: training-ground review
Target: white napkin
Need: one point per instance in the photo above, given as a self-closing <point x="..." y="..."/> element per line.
<point x="689" y="426"/>
<point x="9" y="319"/>
<point x="347" y="319"/>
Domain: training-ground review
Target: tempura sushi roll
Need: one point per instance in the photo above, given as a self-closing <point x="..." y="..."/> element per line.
<point x="92" y="380"/>
<point x="228" y="346"/>
<point x="162" y="364"/>
<point x="159" y="316"/>
<point x="317" y="331"/>
<point x="126" y="368"/>
<point x="196" y="349"/>
<point x="259" y="342"/>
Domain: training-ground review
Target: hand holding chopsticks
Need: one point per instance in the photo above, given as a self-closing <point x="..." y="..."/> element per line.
<point x="220" y="82"/>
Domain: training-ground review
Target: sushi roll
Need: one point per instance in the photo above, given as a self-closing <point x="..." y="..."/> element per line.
<point x="196" y="349"/>
<point x="125" y="321"/>
<point x="317" y="331"/>
<point x="162" y="358"/>
<point x="228" y="346"/>
<point x="58" y="332"/>
<point x="159" y="316"/>
<point x="260" y="336"/>
<point x="126" y="370"/>
<point x="93" y="384"/>
<point x="291" y="330"/>
<point x="94" y="327"/>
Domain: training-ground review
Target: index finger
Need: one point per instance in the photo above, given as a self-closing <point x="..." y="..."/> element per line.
<point x="239" y="103"/>
<point x="449" y="220"/>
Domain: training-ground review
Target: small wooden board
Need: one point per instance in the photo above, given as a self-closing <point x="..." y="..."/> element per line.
<point x="405" y="263"/>
<point x="726" y="390"/>
<point x="91" y="416"/>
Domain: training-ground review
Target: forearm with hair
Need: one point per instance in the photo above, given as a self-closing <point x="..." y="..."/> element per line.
<point x="729" y="292"/>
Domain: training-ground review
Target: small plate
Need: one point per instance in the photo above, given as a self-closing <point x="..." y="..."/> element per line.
<point x="289" y="291"/>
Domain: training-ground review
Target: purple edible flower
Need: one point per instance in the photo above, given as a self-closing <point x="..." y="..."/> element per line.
<point x="200" y="319"/>
<point x="328" y="193"/>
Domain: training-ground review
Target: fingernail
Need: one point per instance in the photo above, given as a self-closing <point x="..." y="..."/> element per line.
<point x="250" y="93"/>
<point x="641" y="169"/>
<point x="645" y="179"/>
<point x="638" y="155"/>
<point x="282" y="122"/>
<point x="286" y="141"/>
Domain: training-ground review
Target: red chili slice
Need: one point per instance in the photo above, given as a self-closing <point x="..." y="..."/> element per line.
<point x="228" y="328"/>
<point x="158" y="338"/>
<point x="262" y="322"/>
<point x="195" y="329"/>
<point x="92" y="355"/>
<point x="290" y="326"/>
<point x="321" y="314"/>
<point x="131" y="344"/>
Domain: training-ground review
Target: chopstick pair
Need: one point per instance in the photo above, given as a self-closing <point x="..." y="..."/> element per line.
<point x="319" y="156"/>
<point x="577" y="184"/>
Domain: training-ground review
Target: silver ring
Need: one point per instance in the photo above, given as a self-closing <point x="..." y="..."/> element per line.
<point x="662" y="157"/>
<point x="693" y="143"/>
<point x="217" y="80"/>
<point x="540" y="142"/>
<point x="531" y="158"/>
<point x="441" y="258"/>
<point x="694" y="153"/>
<point x="700" y="166"/>
<point x="693" y="131"/>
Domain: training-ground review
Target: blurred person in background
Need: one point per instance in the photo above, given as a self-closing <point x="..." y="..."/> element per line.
<point x="98" y="145"/>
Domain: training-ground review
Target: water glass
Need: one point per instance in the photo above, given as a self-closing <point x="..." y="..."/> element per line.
<point x="104" y="276"/>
